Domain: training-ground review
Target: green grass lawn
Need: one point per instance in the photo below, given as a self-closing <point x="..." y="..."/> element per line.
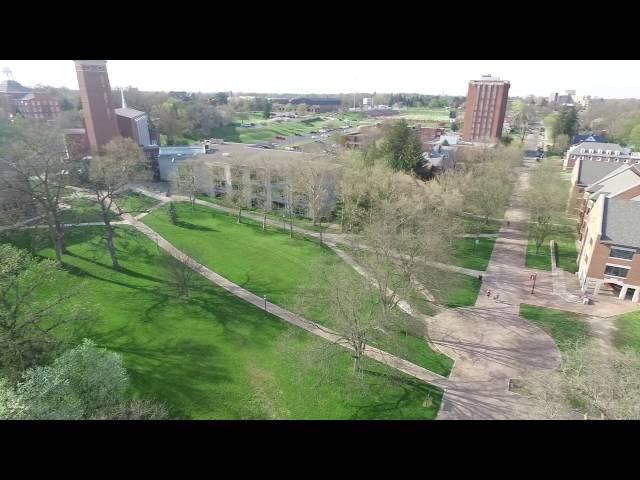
<point x="450" y="289"/>
<point x="269" y="263"/>
<point x="135" y="202"/>
<point x="567" y="253"/>
<point x="471" y="225"/>
<point x="215" y="356"/>
<point x="564" y="327"/>
<point x="628" y="333"/>
<point x="425" y="113"/>
<point x="83" y="210"/>
<point x="301" y="222"/>
<point x="465" y="253"/>
<point x="236" y="133"/>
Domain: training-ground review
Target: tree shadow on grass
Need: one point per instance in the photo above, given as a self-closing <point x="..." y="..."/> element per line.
<point x="410" y="390"/>
<point x="186" y="374"/>
<point x="192" y="226"/>
<point x="123" y="270"/>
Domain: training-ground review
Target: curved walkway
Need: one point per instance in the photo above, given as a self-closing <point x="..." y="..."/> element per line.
<point x="490" y="343"/>
<point x="296" y="320"/>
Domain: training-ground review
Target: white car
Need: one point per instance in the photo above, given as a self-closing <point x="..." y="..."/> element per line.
<point x="314" y="136"/>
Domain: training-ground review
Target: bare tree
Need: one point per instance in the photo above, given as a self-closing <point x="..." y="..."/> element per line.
<point x="240" y="193"/>
<point x="353" y="305"/>
<point x="122" y="162"/>
<point x="181" y="273"/>
<point x="314" y="181"/>
<point x="34" y="158"/>
<point x="547" y="201"/>
<point x="184" y="180"/>
<point x="593" y="381"/>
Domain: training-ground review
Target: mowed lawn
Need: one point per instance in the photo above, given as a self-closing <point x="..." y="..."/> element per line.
<point x="565" y="238"/>
<point x="465" y="253"/>
<point x="236" y="133"/>
<point x="628" y="333"/>
<point x="566" y="328"/>
<point x="450" y="289"/>
<point x="214" y="356"/>
<point x="272" y="264"/>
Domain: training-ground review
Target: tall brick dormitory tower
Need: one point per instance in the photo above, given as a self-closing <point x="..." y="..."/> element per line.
<point x="95" y="92"/>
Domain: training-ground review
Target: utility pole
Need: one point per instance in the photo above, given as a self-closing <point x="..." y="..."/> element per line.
<point x="533" y="277"/>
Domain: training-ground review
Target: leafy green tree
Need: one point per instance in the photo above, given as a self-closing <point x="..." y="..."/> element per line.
<point x="11" y="406"/>
<point x="79" y="383"/>
<point x="561" y="143"/>
<point x="634" y="137"/>
<point x="402" y="148"/>
<point x="29" y="313"/>
<point x="506" y="140"/>
<point x="172" y="212"/>
<point x="221" y="98"/>
<point x="266" y="112"/>
<point x="168" y="119"/>
<point x="567" y="122"/>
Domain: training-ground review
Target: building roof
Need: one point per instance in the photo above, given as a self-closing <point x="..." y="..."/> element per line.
<point x="621" y="222"/>
<point x="598" y="146"/>
<point x="11" y="86"/>
<point x="588" y="138"/>
<point x="129" y="112"/>
<point x="315" y="101"/>
<point x="590" y="172"/>
<point x="182" y="150"/>
<point x="620" y="180"/>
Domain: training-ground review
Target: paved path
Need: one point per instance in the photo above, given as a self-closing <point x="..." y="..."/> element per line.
<point x="490" y="342"/>
<point x="296" y="320"/>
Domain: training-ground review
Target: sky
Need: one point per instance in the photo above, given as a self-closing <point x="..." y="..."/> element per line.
<point x="602" y="78"/>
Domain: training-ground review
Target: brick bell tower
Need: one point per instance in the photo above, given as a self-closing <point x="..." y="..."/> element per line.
<point x="95" y="93"/>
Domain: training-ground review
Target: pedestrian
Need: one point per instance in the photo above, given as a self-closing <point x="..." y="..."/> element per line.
<point x="488" y="292"/>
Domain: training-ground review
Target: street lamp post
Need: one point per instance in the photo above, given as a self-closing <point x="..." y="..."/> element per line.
<point x="533" y="277"/>
<point x="265" y="303"/>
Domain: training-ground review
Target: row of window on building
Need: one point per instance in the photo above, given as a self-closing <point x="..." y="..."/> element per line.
<point x="600" y="159"/>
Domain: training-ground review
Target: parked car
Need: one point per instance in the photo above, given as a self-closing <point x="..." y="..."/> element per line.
<point x="314" y="136"/>
<point x="280" y="137"/>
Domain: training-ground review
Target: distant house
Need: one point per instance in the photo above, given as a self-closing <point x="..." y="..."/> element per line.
<point x="184" y="96"/>
<point x="23" y="101"/>
<point x="314" y="105"/>
<point x="599" y="152"/>
<point x="429" y="137"/>
<point x="589" y="137"/>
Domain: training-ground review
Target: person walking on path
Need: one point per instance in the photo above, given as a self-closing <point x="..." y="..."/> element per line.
<point x="488" y="293"/>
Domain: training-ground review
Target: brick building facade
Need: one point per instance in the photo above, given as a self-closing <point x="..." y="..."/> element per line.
<point x="485" y="110"/>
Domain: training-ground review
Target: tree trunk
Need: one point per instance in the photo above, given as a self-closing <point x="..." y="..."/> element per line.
<point x="59" y="246"/>
<point x="239" y="214"/>
<point x="56" y="234"/>
<point x="264" y="222"/>
<point x="356" y="363"/>
<point x="291" y="227"/>
<point x="111" y="247"/>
